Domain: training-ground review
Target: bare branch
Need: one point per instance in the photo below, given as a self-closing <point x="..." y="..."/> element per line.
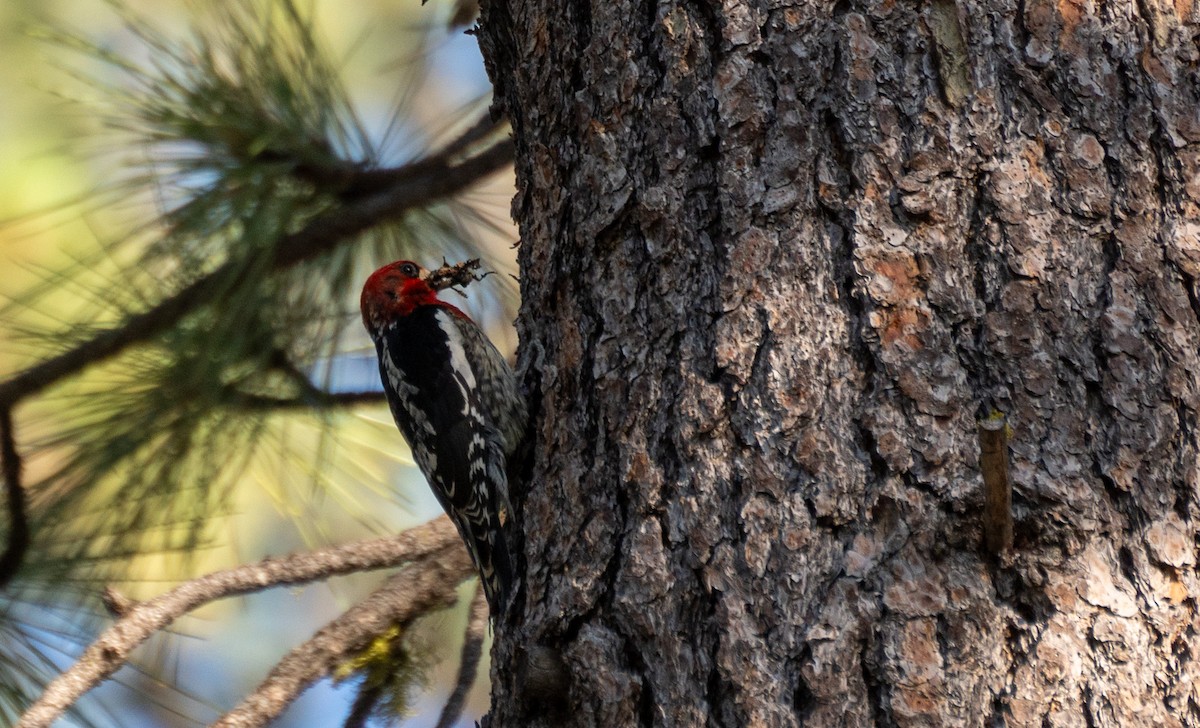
<point x="318" y="400"/>
<point x="468" y="665"/>
<point x="411" y="186"/>
<point x="310" y="396"/>
<point x="417" y="589"/>
<point x="351" y="399"/>
<point x="141" y="620"/>
<point x="18" y="524"/>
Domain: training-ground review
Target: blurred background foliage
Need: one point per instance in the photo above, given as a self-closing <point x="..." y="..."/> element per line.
<point x="143" y="146"/>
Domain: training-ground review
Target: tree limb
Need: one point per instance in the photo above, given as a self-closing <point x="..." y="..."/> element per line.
<point x="18" y="523"/>
<point x="411" y="186"/>
<point x="141" y="620"/>
<point x="414" y="591"/>
<point x="468" y="665"/>
<point x="317" y="400"/>
<point x="353" y="180"/>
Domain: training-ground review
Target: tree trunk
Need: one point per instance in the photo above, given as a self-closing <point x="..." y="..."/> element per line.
<point x="777" y="261"/>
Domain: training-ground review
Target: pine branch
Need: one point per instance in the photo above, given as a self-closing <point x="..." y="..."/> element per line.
<point x="141" y="620"/>
<point x="468" y="665"/>
<point x="426" y="182"/>
<point x="18" y="524"/>
<point x="318" y="399"/>
<point x="412" y="186"/>
<point x="351" y="180"/>
<point x="416" y="590"/>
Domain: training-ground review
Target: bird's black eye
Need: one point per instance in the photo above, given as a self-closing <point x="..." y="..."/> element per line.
<point x="409" y="270"/>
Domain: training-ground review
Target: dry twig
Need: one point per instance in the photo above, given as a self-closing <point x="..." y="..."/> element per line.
<point x="468" y="665"/>
<point x="417" y="589"/>
<point x="142" y="619"/>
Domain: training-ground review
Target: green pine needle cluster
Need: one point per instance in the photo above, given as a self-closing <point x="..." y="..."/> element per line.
<point x="389" y="669"/>
<point x="39" y="632"/>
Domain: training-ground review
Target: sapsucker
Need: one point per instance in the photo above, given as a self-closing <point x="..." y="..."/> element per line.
<point x="457" y="404"/>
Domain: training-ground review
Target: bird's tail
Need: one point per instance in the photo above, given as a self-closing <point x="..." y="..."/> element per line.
<point x="498" y="577"/>
<point x="493" y="560"/>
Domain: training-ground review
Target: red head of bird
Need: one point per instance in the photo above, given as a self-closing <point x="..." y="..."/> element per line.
<point x="392" y="292"/>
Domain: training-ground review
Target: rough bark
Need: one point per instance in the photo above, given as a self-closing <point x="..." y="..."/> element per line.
<point x="777" y="260"/>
